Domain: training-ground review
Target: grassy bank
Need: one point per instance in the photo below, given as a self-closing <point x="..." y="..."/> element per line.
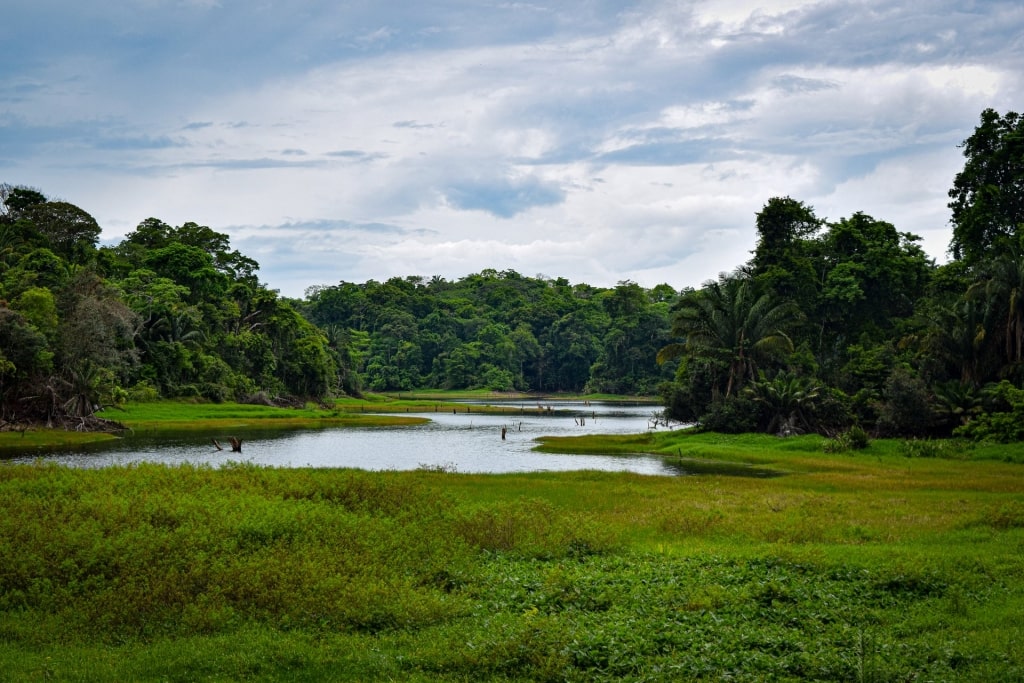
<point x="169" y="415"/>
<point x="175" y="415"/>
<point x="866" y="567"/>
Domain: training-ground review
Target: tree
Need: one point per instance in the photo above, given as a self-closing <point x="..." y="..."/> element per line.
<point x="96" y="328"/>
<point x="788" y="401"/>
<point x="987" y="197"/>
<point x="636" y="330"/>
<point x="725" y="322"/>
<point x="1002" y="290"/>
<point x="189" y="266"/>
<point x="874" y="276"/>
<point x="14" y="200"/>
<point x="783" y="261"/>
<point x="69" y="231"/>
<point x="25" y="360"/>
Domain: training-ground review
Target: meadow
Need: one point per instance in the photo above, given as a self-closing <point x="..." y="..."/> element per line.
<point x="899" y="562"/>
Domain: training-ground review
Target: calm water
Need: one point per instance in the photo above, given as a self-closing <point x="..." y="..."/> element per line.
<point x="461" y="442"/>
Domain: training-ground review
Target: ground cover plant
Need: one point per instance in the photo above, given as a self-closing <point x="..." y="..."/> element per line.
<point x="874" y="566"/>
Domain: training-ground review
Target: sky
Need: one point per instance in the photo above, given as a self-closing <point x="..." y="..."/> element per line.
<point x="593" y="140"/>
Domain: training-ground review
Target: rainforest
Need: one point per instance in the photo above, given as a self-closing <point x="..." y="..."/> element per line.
<point x="831" y="326"/>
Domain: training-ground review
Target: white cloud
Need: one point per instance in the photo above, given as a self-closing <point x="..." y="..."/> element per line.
<point x="578" y="139"/>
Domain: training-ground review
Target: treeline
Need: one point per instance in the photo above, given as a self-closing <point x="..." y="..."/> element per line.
<point x="175" y="312"/>
<point x="848" y="325"/>
<point x="168" y="312"/>
<point x="831" y="326"/>
<point x="496" y="330"/>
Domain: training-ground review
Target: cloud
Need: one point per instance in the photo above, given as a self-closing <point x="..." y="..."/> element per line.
<point x="586" y="139"/>
<point x="503" y="197"/>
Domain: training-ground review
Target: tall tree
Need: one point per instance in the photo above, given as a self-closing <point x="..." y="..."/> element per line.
<point x="68" y="230"/>
<point x="783" y="262"/>
<point x="988" y="194"/>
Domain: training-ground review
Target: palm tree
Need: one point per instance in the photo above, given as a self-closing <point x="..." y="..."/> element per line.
<point x="955" y="403"/>
<point x="956" y="336"/>
<point x="1003" y="293"/>
<point x="789" y="399"/>
<point x="724" y="321"/>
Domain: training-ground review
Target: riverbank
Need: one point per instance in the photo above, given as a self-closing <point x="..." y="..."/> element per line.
<point x="372" y="410"/>
<point x="865" y="566"/>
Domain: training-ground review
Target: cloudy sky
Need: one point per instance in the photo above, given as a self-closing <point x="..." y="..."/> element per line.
<point x="594" y="140"/>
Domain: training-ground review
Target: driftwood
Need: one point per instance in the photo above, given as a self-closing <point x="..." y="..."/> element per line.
<point x="236" y="445"/>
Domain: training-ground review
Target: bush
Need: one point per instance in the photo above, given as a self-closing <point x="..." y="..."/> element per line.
<point x="853" y="439"/>
<point x="732" y="415"/>
<point x="144" y="392"/>
<point x="1003" y="419"/>
<point x="905" y="409"/>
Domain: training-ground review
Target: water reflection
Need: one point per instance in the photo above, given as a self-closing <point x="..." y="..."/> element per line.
<point x="464" y="442"/>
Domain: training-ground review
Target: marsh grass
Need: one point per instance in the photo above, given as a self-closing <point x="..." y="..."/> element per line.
<point x="867" y="567"/>
<point x="176" y="415"/>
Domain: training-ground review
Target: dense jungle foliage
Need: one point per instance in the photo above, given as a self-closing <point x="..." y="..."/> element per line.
<point x="829" y="326"/>
<point x="175" y="312"/>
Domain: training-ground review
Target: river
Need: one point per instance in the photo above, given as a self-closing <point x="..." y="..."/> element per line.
<point x="461" y="442"/>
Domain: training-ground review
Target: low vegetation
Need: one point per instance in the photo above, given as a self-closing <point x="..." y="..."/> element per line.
<point x="872" y="565"/>
<point x="832" y="554"/>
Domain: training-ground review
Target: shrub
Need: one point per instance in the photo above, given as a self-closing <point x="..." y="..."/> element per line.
<point x="1003" y="419"/>
<point x="905" y="408"/>
<point x="732" y="415"/>
<point x="853" y="439"/>
<point x="144" y="392"/>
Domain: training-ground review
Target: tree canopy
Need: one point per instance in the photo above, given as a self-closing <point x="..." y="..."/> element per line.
<point x="831" y="324"/>
<point x="987" y="197"/>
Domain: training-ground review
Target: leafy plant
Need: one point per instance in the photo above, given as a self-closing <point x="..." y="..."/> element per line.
<point x="853" y="439"/>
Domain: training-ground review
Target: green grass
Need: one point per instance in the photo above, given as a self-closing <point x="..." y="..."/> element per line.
<point x="870" y="566"/>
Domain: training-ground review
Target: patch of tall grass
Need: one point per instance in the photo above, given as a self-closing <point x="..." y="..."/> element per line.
<point x="849" y="567"/>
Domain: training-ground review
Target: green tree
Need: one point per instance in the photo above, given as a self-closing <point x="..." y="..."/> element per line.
<point x="875" y="276"/>
<point x="68" y="230"/>
<point x="628" y="350"/>
<point x="788" y="400"/>
<point x="1001" y="288"/>
<point x="39" y="307"/>
<point x="725" y="323"/>
<point x="25" y="362"/>
<point x="15" y="200"/>
<point x="784" y="262"/>
<point x="189" y="266"/>
<point x="987" y="197"/>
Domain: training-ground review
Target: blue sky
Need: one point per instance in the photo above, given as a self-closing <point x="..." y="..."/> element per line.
<point x="597" y="141"/>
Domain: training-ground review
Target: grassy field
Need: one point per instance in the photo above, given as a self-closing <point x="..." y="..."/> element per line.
<point x="873" y="565"/>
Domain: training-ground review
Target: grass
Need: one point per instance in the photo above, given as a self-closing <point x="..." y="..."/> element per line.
<point x="171" y="415"/>
<point x="874" y="565"/>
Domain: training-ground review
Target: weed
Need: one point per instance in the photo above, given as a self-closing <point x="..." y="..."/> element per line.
<point x="935" y="448"/>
